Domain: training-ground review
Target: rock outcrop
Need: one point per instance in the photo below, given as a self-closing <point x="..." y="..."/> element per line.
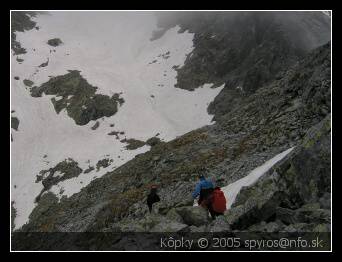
<point x="291" y="191"/>
<point x="54" y="42"/>
<point x="78" y="97"/>
<point x="20" y="22"/>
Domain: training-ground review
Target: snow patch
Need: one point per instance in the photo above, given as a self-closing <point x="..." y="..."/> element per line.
<point x="232" y="190"/>
<point x="114" y="59"/>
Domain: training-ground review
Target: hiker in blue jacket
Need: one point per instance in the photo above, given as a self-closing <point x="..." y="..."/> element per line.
<point x="204" y="189"/>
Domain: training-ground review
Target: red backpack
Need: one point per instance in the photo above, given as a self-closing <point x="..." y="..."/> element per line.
<point x="219" y="201"/>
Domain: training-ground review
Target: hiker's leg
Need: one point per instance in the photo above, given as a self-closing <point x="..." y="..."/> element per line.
<point x="211" y="211"/>
<point x="200" y="199"/>
<point x="149" y="207"/>
<point x="212" y="214"/>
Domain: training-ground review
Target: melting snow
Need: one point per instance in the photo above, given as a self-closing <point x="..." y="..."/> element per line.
<point x="232" y="190"/>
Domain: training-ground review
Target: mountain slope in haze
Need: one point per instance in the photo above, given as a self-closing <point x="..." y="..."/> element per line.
<point x="244" y="50"/>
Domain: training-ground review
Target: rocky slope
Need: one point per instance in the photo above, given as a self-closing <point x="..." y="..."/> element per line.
<point x="244" y="50"/>
<point x="288" y="107"/>
<point x="272" y="122"/>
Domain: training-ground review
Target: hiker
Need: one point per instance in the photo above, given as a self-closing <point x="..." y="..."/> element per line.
<point x="216" y="203"/>
<point x="203" y="189"/>
<point x="152" y="197"/>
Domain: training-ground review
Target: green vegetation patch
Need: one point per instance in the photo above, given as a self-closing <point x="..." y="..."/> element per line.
<point x="78" y="98"/>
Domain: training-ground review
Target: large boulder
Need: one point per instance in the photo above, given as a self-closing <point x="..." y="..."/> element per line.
<point x="220" y="224"/>
<point x="194" y="215"/>
<point x="285" y="215"/>
<point x="174" y="216"/>
<point x="260" y="203"/>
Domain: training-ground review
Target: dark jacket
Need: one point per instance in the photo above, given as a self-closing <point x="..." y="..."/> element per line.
<point x="152" y="197"/>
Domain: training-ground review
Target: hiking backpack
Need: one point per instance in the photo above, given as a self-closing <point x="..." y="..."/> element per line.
<point x="219" y="201"/>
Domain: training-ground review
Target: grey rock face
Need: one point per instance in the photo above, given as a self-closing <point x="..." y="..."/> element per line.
<point x="244" y="50"/>
<point x="290" y="184"/>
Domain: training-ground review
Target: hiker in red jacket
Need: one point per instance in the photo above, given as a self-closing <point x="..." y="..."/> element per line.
<point x="216" y="203"/>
